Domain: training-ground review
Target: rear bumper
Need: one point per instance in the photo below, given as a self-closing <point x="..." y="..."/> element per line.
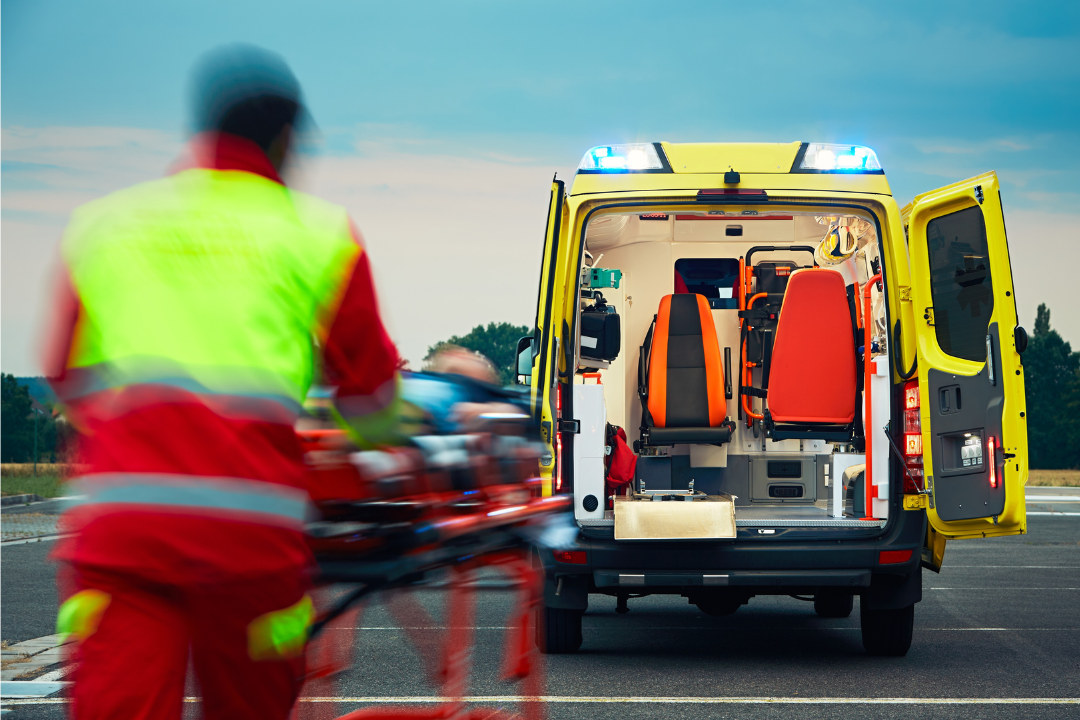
<point x="631" y="580"/>
<point x="749" y="567"/>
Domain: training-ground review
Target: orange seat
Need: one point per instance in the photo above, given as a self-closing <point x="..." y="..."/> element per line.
<point x="683" y="388"/>
<point x="813" y="376"/>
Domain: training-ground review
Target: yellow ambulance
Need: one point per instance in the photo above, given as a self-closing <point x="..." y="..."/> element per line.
<point x="757" y="374"/>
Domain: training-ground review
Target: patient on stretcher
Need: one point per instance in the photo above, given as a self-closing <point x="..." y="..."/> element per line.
<point x="459" y="394"/>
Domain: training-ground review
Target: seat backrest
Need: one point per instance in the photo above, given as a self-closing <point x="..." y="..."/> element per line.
<point x="813" y="375"/>
<point x="686" y="377"/>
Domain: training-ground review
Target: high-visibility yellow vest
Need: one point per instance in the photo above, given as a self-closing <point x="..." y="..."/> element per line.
<point x="226" y="276"/>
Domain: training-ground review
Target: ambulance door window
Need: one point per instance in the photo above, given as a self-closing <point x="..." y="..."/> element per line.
<point x="960" y="282"/>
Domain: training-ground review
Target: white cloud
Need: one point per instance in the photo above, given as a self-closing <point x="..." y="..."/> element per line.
<point x="454" y="241"/>
<point x="1043" y="248"/>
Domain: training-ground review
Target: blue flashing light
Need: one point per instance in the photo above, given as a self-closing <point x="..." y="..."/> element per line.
<point x="834" y="158"/>
<point x="637" y="157"/>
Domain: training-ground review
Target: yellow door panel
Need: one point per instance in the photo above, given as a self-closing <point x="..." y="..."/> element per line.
<point x="971" y="381"/>
<point x="544" y="374"/>
<point x="933" y="551"/>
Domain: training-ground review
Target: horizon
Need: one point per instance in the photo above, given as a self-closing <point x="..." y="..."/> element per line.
<point x="439" y="127"/>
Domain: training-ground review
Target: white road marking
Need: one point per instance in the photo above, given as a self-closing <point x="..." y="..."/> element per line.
<point x="650" y="700"/>
<point x="1064" y="514"/>
<point x="54" y="675"/>
<point x="1018" y="567"/>
<point x="46" y="538"/>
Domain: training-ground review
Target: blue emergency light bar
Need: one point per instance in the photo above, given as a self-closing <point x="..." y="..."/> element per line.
<point x="835" y="158"/>
<point x="631" y="158"/>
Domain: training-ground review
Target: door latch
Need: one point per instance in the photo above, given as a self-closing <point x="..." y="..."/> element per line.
<point x="570" y="426"/>
<point x="928" y="315"/>
<point x="979" y="194"/>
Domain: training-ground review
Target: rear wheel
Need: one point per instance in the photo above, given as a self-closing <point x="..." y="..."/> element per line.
<point x="558" y="631"/>
<point x="833" y="605"/>
<point x="887" y="632"/>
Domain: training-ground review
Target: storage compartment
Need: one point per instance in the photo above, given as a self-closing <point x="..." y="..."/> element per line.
<point x="655" y="472"/>
<point x="777" y="478"/>
<point x="589" y="452"/>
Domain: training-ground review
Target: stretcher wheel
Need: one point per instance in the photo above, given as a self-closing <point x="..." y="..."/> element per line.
<point x="887" y="632"/>
<point x="558" y="631"/>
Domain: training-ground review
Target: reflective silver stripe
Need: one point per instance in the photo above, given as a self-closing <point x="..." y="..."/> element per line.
<point x="242" y="392"/>
<point x="276" y="503"/>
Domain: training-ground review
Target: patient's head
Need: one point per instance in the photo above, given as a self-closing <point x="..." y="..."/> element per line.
<point x="462" y="361"/>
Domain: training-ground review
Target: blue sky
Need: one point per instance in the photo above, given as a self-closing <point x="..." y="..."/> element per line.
<point x="481" y="102"/>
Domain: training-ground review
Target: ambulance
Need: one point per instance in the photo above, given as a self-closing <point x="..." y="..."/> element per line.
<point x="757" y="374"/>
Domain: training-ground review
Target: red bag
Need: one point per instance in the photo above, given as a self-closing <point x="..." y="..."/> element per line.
<point x="621" y="460"/>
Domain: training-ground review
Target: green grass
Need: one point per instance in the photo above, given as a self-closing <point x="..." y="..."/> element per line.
<point x="47" y="486"/>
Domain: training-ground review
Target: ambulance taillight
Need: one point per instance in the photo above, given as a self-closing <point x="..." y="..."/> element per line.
<point x="992" y="458"/>
<point x="558" y="438"/>
<point x="913" y="446"/>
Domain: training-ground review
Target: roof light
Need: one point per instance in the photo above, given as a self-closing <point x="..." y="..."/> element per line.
<point x="640" y="157"/>
<point x="831" y="158"/>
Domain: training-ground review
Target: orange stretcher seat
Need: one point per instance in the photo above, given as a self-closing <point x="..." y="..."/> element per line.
<point x="813" y="375"/>
<point x="683" y="385"/>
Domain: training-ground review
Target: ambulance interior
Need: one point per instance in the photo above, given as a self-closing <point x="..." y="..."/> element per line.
<point x="739" y="343"/>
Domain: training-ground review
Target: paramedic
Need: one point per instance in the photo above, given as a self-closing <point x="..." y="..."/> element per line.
<point x="190" y="311"/>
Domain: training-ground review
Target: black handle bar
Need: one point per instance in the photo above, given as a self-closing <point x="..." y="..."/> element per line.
<point x="777" y="248"/>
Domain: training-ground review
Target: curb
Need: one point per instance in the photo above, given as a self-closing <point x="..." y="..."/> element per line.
<point x="33" y="656"/>
<point x="20" y="499"/>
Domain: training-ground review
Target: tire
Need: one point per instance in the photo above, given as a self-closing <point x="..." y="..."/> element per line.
<point x="833" y="605"/>
<point x="558" y="631"/>
<point x="887" y="632"/>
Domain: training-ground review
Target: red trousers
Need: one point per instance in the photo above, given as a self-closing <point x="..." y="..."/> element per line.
<point x="135" y="665"/>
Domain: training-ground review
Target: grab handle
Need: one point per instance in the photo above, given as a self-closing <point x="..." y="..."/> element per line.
<point x="777" y="248"/>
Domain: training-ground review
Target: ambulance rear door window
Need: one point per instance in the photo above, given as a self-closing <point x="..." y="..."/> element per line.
<point x="712" y="277"/>
<point x="960" y="282"/>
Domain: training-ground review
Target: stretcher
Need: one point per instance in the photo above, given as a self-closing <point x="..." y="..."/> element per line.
<point x="397" y="519"/>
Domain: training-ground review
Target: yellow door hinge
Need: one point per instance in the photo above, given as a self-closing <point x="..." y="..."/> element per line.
<point x="915" y="502"/>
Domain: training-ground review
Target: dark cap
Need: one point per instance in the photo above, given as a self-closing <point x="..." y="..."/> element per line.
<point x="245" y="90"/>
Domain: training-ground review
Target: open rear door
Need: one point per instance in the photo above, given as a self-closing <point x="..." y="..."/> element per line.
<point x="971" y="382"/>
<point x="545" y="339"/>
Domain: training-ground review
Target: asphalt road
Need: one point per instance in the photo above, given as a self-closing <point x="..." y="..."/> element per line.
<point x="1002" y="620"/>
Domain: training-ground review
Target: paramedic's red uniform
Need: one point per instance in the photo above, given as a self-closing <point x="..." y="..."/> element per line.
<point x="192" y="523"/>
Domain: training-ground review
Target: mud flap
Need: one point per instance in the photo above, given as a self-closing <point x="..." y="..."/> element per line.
<point x="892" y="592"/>
<point x="566" y="592"/>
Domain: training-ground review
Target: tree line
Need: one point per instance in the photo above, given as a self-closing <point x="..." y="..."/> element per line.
<point x="21" y="419"/>
<point x="1051" y="375"/>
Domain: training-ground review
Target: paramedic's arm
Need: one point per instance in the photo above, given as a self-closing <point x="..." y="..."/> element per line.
<point x="60" y="330"/>
<point x="360" y="359"/>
